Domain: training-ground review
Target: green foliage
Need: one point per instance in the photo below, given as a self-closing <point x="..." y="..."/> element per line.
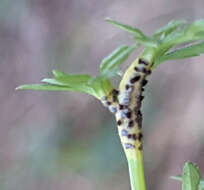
<point x="43" y="87"/>
<point x="164" y="31"/>
<point x="191" y="177"/>
<point x="96" y="86"/>
<point x="187" y="33"/>
<point x="137" y="34"/>
<point x="135" y="31"/>
<point x="164" y="39"/>
<point x="160" y="44"/>
<point x="110" y="65"/>
<point x="181" y="53"/>
<point x="179" y="178"/>
<point x="67" y="82"/>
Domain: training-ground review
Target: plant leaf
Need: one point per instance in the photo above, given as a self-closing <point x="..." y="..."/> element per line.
<point x="179" y="178"/>
<point x="44" y="87"/>
<point x="182" y="53"/>
<point x="52" y="87"/>
<point x="74" y="82"/>
<point x="106" y="61"/>
<point x="169" y="28"/>
<point x="110" y="65"/>
<point x="53" y="81"/>
<point x="189" y="33"/>
<point x="101" y="86"/>
<point x="70" y="79"/>
<point x="190" y="177"/>
<point x="138" y="34"/>
<point x="66" y="82"/>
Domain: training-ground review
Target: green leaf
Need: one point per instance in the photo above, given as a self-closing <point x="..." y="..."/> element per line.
<point x="110" y="65"/>
<point x="189" y="33"/>
<point x="74" y="82"/>
<point x="190" y="177"/>
<point x="51" y="87"/>
<point x="106" y="61"/>
<point x="169" y="28"/>
<point x="69" y="79"/>
<point x="179" y="178"/>
<point x="138" y="34"/>
<point x="182" y="53"/>
<point x="135" y="31"/>
<point x="53" y="81"/>
<point x="44" y="87"/>
<point x="67" y="82"/>
<point x="101" y="85"/>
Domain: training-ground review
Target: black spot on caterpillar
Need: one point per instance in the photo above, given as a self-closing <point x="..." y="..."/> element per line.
<point x="142" y="70"/>
<point x="115" y="95"/>
<point x="129" y="136"/>
<point x="140" y="147"/>
<point x="140" y="136"/>
<point x="121" y="107"/>
<point x="130" y="124"/>
<point x="129" y="114"/>
<point x="115" y="92"/>
<point x="119" y="122"/>
<point x="135" y="79"/>
<point x="144" y="82"/>
<point x="132" y="136"/>
<point x="108" y="103"/>
<point x="127" y="86"/>
<point x="142" y="61"/>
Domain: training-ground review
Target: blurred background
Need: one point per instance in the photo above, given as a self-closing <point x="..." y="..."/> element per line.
<point x="69" y="141"/>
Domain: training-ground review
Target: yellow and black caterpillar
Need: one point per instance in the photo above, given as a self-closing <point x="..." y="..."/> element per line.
<point x="126" y="102"/>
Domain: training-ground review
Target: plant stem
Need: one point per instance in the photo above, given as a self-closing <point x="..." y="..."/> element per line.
<point x="136" y="172"/>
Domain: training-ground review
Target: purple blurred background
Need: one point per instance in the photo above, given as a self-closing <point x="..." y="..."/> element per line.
<point x="68" y="141"/>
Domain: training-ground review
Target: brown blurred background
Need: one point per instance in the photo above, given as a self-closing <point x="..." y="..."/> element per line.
<point x="68" y="141"/>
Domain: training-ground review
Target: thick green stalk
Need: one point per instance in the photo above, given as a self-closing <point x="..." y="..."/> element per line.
<point x="136" y="172"/>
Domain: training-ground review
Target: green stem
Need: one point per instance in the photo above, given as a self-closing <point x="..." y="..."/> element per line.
<point x="136" y="172"/>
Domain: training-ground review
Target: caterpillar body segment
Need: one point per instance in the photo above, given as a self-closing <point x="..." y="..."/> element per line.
<point x="126" y="104"/>
<point x="111" y="101"/>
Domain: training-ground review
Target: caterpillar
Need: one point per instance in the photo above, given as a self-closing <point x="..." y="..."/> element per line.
<point x="126" y="103"/>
